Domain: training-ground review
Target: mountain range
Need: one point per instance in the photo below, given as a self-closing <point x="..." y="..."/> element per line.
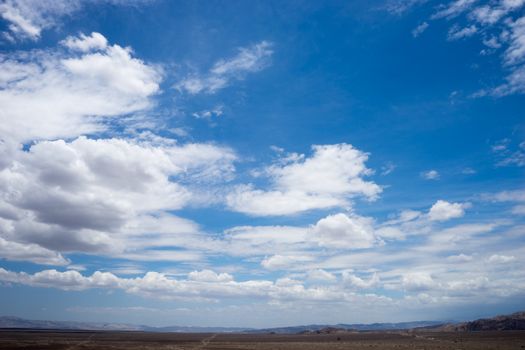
<point x="515" y="321"/>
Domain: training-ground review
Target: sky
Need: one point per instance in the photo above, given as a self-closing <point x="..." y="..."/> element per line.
<point x="262" y="163"/>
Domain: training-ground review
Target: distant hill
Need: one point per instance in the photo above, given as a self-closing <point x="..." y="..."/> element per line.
<point x="515" y="321"/>
<point x="323" y="328"/>
<point x="16" y="322"/>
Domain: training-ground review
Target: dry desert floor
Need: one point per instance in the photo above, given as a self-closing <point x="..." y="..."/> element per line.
<point x="399" y="340"/>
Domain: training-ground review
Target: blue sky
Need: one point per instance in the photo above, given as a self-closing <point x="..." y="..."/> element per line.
<point x="261" y="164"/>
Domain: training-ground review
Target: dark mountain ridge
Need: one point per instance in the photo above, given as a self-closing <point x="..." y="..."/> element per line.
<point x="512" y="322"/>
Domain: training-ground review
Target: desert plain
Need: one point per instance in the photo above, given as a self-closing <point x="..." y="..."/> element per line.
<point x="399" y="340"/>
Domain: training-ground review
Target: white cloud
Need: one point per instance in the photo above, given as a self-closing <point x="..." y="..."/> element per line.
<point x="266" y="240"/>
<point x="515" y="53"/>
<point x="488" y="15"/>
<point x="249" y="60"/>
<point x="109" y="196"/>
<point x="500" y="259"/>
<point x="28" y="18"/>
<point x="507" y="153"/>
<point x="468" y="171"/>
<point x="509" y="196"/>
<point x="451" y="238"/>
<point x="157" y="285"/>
<point x="461" y="258"/>
<point x="209" y="114"/>
<point x="359" y="283"/>
<point x="419" y="29"/>
<point x="344" y="232"/>
<point x="399" y="7"/>
<point x="83" y="43"/>
<point x="246" y="199"/>
<point x="418" y="281"/>
<point x="283" y="262"/>
<point x="320" y="275"/>
<point x="71" y="93"/>
<point x="456" y="33"/>
<point x="209" y="276"/>
<point x="30" y="252"/>
<point x="515" y="84"/>
<point x="105" y="196"/>
<point x="430" y="175"/>
<point x="404" y="216"/>
<point x="330" y="177"/>
<point x="411" y="222"/>
<point x="500" y="24"/>
<point x="388" y="168"/>
<point x="518" y="210"/>
<point x="454" y="8"/>
<point x="443" y="210"/>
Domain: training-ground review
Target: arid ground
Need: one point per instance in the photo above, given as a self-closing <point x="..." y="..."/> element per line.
<point x="56" y="340"/>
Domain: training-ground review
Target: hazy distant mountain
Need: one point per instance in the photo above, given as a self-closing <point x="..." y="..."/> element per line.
<point x="514" y="321"/>
<point x="349" y="327"/>
<point x="16" y="322"/>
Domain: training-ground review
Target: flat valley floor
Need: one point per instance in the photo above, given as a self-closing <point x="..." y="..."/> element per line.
<point x="57" y="340"/>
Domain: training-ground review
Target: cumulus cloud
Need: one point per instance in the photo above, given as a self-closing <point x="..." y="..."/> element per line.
<point x="71" y="92"/>
<point x="413" y="222"/>
<point x="84" y="43"/>
<point x="330" y="177"/>
<point x="418" y="281"/>
<point x="341" y="231"/>
<point x="443" y="210"/>
<point x="30" y="252"/>
<point x="105" y="195"/>
<point x="157" y="285"/>
<point x="209" y="276"/>
<point x="249" y="60"/>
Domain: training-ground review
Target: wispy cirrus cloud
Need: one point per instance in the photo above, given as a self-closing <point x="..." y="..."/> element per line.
<point x="500" y="27"/>
<point x="419" y="29"/>
<point x="249" y="60"/>
<point x="27" y="19"/>
<point x="509" y="154"/>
